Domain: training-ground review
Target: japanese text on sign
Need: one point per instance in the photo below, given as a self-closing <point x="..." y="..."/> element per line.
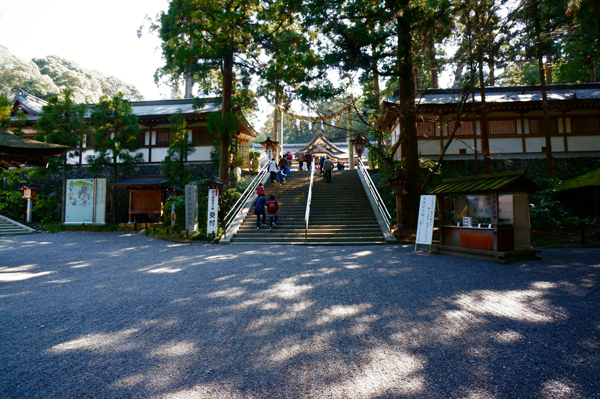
<point x="426" y="217"/>
<point x="213" y="211"/>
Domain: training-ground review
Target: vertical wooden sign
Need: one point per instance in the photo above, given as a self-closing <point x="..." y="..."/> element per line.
<point x="212" y="222"/>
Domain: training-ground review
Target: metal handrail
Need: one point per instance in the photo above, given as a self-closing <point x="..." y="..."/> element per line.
<point x="244" y="197"/>
<point x="378" y="200"/>
<point x="308" y="201"/>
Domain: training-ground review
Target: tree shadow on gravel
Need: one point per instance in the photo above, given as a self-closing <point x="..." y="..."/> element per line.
<point x="109" y="315"/>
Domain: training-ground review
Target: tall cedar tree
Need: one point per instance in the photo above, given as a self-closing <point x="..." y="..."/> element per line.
<point x="116" y="140"/>
<point x="203" y="36"/>
<point x="543" y="24"/>
<point x="354" y="41"/>
<point x="180" y="146"/>
<point x="61" y="122"/>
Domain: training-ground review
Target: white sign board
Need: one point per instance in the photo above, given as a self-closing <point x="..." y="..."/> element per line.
<point x="191" y="208"/>
<point x="213" y="211"/>
<point x="100" y="202"/>
<point x="79" y="201"/>
<point x="480" y="206"/>
<point x="426" y="217"/>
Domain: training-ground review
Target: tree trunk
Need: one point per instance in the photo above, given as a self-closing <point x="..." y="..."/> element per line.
<point x="409" y="125"/>
<point x="548" y="70"/>
<point x="434" y="69"/>
<point x="225" y="150"/>
<point x="593" y="70"/>
<point x="597" y="9"/>
<point x="485" y="141"/>
<point x="458" y="74"/>
<point x="491" y="67"/>
<point x="542" y="72"/>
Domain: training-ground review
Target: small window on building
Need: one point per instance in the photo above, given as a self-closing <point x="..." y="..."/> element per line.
<point x="536" y="126"/>
<point x="200" y="136"/>
<point x="462" y="151"/>
<point x="426" y="129"/>
<point x="162" y="138"/>
<point x="502" y="127"/>
<point x="464" y="129"/>
<point x="585" y="125"/>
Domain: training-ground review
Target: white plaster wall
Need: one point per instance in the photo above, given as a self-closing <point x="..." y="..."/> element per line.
<point x="456" y="145"/>
<point x="526" y="126"/>
<point x="159" y="154"/>
<point x="201" y="154"/>
<point x="506" y="145"/>
<point x="583" y="143"/>
<point x="144" y="152"/>
<point x="429" y="147"/>
<point x="535" y="144"/>
<point x="519" y="130"/>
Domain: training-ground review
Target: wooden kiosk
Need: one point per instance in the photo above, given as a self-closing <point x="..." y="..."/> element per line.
<point x="491" y="217"/>
<point x="145" y="195"/>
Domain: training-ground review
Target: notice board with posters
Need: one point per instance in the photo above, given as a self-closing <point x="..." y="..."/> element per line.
<point x="85" y="201"/>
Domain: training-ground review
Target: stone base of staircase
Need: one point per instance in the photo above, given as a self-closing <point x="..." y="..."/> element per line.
<point x="10" y="227"/>
<point x="340" y="214"/>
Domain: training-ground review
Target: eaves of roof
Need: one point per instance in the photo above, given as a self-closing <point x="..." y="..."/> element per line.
<point x="482" y="184"/>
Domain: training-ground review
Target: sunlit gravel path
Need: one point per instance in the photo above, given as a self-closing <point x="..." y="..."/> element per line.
<point x="125" y="316"/>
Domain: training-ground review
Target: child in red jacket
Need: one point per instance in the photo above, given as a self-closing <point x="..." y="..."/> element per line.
<point x="272" y="208"/>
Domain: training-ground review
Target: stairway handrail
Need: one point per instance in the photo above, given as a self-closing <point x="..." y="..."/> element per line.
<point x="308" y="201"/>
<point x="244" y="197"/>
<point x="375" y="194"/>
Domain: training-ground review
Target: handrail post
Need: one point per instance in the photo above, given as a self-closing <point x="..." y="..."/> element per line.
<point x="308" y="201"/>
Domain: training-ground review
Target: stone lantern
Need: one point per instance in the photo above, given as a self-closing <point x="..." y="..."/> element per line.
<point x="29" y="193"/>
<point x="359" y="144"/>
<point x="398" y="183"/>
<point x="270" y="146"/>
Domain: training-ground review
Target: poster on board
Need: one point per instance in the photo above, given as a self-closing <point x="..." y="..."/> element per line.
<point x="79" y="201"/>
<point x="426" y="219"/>
<point x="85" y="201"/>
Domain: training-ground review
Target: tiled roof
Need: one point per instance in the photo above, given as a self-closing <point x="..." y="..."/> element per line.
<point x="10" y="140"/>
<point x="499" y="182"/>
<point x="591" y="179"/>
<point x="498" y="95"/>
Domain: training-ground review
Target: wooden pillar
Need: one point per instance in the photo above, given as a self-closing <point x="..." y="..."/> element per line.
<point x="440" y="204"/>
<point x="494" y="217"/>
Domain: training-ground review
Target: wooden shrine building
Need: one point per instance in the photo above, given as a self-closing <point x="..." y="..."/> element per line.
<point x="491" y="217"/>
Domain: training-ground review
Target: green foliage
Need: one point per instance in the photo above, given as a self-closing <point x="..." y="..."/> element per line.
<point x="44" y="208"/>
<point x="115" y="137"/>
<point x="5" y="111"/>
<point x="12" y="204"/>
<point x="45" y="77"/>
<point x="179" y="202"/>
<point x="180" y="146"/>
<point x="216" y="127"/>
<point x="548" y="213"/>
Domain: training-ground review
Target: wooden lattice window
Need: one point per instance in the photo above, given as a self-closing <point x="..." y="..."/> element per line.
<point x="536" y="126"/>
<point x="426" y="129"/>
<point x="589" y="124"/>
<point x="466" y="128"/>
<point x="162" y="138"/>
<point x="201" y="137"/>
<point x="502" y="127"/>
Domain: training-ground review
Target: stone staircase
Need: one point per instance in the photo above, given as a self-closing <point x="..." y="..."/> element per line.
<point x="9" y="227"/>
<point x="340" y="213"/>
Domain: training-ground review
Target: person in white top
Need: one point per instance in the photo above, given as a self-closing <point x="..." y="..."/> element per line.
<point x="273" y="170"/>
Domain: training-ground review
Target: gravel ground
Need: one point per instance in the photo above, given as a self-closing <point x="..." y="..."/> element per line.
<point x="126" y="316"/>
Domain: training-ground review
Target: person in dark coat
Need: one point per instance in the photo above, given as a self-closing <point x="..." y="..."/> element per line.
<point x="340" y="166"/>
<point x="300" y="160"/>
<point x="321" y="162"/>
<point x="328" y="167"/>
<point x="308" y="158"/>
<point x="259" y="209"/>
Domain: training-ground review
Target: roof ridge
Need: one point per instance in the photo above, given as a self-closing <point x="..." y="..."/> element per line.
<point x="490" y="176"/>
